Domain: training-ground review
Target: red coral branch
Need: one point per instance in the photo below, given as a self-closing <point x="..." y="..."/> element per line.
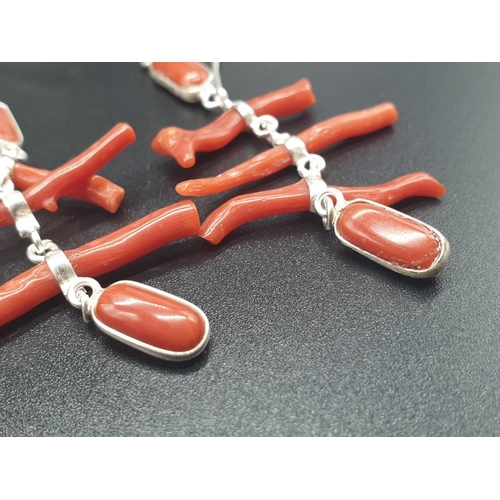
<point x="77" y="171"/>
<point x="184" y="144"/>
<point x="95" y="189"/>
<point x="315" y="138"/>
<point x="295" y="198"/>
<point x="100" y="256"/>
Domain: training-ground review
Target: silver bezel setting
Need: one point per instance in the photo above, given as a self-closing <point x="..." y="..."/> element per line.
<point x="187" y="94"/>
<point x="436" y="266"/>
<point x="142" y="346"/>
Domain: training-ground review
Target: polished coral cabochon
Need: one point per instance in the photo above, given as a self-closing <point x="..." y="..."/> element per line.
<point x="153" y="321"/>
<point x="391" y="238"/>
<point x="184" y="79"/>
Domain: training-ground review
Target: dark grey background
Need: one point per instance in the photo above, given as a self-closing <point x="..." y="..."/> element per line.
<point x="308" y="338"/>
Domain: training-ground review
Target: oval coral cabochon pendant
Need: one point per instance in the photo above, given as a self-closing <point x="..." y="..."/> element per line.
<point x="186" y="80"/>
<point x="153" y="321"/>
<point x="393" y="239"/>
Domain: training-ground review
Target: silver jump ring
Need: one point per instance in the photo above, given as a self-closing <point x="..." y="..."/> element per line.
<point x="210" y="99"/>
<point x="37" y="242"/>
<point x="329" y="218"/>
<point x="310" y="165"/>
<point x="213" y="98"/>
<point x="264" y="125"/>
<point x="85" y="303"/>
<point x="217" y="77"/>
<point x="76" y="290"/>
<point x="318" y="202"/>
<point x="35" y="255"/>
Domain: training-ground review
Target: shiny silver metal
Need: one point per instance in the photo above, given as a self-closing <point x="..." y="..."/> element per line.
<point x="326" y="208"/>
<point x="20" y="211"/>
<point x="13" y="151"/>
<point x="142" y="346"/>
<point x="37" y="242"/>
<point x="77" y="295"/>
<point x="7" y="165"/>
<point x="297" y="149"/>
<point x="61" y="269"/>
<point x="72" y="286"/>
<point x="319" y="201"/>
<point x="215" y="98"/>
<point x="329" y="217"/>
<point x="36" y="255"/>
<point x="309" y="167"/>
<point x="219" y="98"/>
<point x="217" y="77"/>
<point x="246" y="111"/>
<point x="266" y="127"/>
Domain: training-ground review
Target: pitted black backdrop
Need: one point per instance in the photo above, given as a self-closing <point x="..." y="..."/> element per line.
<point x="308" y="338"/>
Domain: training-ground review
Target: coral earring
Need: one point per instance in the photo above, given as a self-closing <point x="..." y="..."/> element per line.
<point x="151" y="320"/>
<point x="395" y="240"/>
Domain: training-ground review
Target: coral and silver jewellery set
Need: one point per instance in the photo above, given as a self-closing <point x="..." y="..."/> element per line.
<point x="176" y="329"/>
<point x="359" y="217"/>
<point x="156" y="322"/>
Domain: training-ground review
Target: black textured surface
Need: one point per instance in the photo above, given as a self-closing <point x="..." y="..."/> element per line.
<point x="308" y="338"/>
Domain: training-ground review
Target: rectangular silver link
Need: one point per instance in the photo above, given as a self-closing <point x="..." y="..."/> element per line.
<point x="61" y="269"/>
<point x="23" y="217"/>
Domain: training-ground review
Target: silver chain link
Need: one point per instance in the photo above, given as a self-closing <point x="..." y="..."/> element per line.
<point x="309" y="166"/>
<point x="72" y="286"/>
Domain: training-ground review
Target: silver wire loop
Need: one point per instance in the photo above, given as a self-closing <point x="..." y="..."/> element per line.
<point x="217" y="77"/>
<point x="322" y="208"/>
<point x="76" y="293"/>
<point x="311" y="166"/>
<point x="37" y="255"/>
<point x="214" y="95"/>
<point x="212" y="98"/>
<point x="264" y="125"/>
<point x="329" y="219"/>
<point x="78" y="297"/>
<point x="37" y="242"/>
